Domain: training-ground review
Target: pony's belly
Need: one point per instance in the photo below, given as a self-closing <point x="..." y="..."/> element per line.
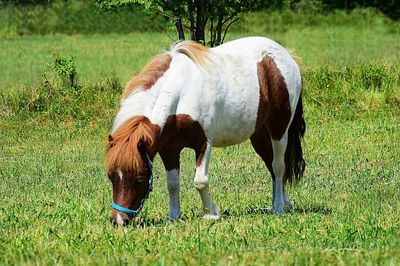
<point x="236" y="120"/>
<point x="231" y="139"/>
<point x="235" y="129"/>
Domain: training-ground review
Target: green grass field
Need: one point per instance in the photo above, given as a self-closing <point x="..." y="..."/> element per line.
<point x="56" y="198"/>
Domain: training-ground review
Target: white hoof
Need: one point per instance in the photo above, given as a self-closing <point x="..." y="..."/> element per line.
<point x="211" y="216"/>
<point x="213" y="211"/>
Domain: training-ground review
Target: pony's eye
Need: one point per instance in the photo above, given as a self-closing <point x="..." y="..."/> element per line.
<point x="140" y="180"/>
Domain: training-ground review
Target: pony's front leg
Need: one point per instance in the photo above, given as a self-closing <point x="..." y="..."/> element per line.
<point x="173" y="183"/>
<point x="211" y="211"/>
<point x="170" y="158"/>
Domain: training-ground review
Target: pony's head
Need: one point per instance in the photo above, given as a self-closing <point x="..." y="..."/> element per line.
<point x="128" y="161"/>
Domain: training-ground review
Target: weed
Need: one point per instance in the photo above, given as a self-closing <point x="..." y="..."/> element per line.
<point x="62" y="69"/>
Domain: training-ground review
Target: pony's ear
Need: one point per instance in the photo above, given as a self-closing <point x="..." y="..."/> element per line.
<point x="110" y="138"/>
<point x="142" y="147"/>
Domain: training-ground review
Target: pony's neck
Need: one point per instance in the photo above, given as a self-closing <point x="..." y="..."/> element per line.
<point x="155" y="103"/>
<point x="161" y="99"/>
<point x="139" y="103"/>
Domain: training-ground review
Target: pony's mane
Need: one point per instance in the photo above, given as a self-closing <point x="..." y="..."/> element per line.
<point x="149" y="74"/>
<point x="122" y="150"/>
<point x="197" y="52"/>
<point x="157" y="66"/>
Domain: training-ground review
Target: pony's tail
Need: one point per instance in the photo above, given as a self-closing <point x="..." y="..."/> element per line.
<point x="294" y="160"/>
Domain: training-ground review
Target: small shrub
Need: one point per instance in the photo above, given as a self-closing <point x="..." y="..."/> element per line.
<point x="63" y="70"/>
<point x="59" y="94"/>
<point x="309" y="6"/>
<point x="374" y="76"/>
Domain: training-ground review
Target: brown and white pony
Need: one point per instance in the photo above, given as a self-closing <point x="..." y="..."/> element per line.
<point x="199" y="97"/>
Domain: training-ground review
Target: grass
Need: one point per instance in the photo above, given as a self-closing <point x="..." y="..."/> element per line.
<point x="369" y="39"/>
<point x="95" y="55"/>
<point x="56" y="198"/>
<point x="56" y="201"/>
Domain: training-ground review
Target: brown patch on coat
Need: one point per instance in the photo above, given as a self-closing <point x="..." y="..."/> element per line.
<point x="274" y="107"/>
<point x="149" y="74"/>
<point x="128" y="143"/>
<point x="170" y="157"/>
<point x="181" y="131"/>
<point x="261" y="142"/>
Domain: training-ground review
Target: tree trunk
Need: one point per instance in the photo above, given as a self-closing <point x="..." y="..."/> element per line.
<point x="219" y="27"/>
<point x="212" y="33"/>
<point x="191" y="18"/>
<point x="179" y="28"/>
<point x="200" y="21"/>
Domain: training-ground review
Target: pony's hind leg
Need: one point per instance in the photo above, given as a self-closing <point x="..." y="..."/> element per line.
<point x="211" y="211"/>
<point x="278" y="166"/>
<point x="288" y="204"/>
<point x="263" y="145"/>
<point x="170" y="159"/>
<point x="261" y="142"/>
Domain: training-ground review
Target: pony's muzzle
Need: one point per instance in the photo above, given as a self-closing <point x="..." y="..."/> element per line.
<point x="119" y="218"/>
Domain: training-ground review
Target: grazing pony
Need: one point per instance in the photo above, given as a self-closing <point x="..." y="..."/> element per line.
<point x="199" y="97"/>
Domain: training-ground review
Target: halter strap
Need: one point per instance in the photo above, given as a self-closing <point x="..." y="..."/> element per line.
<point x="135" y="212"/>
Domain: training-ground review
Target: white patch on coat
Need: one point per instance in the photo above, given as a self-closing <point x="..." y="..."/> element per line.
<point x="120" y="221"/>
<point x="224" y="98"/>
<point x="210" y="209"/>
<point x="120" y="174"/>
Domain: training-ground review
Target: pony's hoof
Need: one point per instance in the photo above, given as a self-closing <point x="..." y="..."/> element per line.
<point x="171" y="219"/>
<point x="211" y="216"/>
<point x="278" y="207"/>
<point x="278" y="210"/>
<point x="288" y="206"/>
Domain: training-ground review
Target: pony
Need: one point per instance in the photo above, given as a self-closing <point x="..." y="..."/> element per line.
<point x="198" y="97"/>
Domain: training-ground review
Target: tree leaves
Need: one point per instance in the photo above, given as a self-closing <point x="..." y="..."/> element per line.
<point x="199" y="17"/>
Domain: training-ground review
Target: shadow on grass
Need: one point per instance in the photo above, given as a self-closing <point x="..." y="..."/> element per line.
<point x="144" y="222"/>
<point x="312" y="209"/>
<point x="268" y="211"/>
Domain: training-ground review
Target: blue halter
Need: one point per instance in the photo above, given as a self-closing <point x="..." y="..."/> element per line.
<point x="133" y="213"/>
